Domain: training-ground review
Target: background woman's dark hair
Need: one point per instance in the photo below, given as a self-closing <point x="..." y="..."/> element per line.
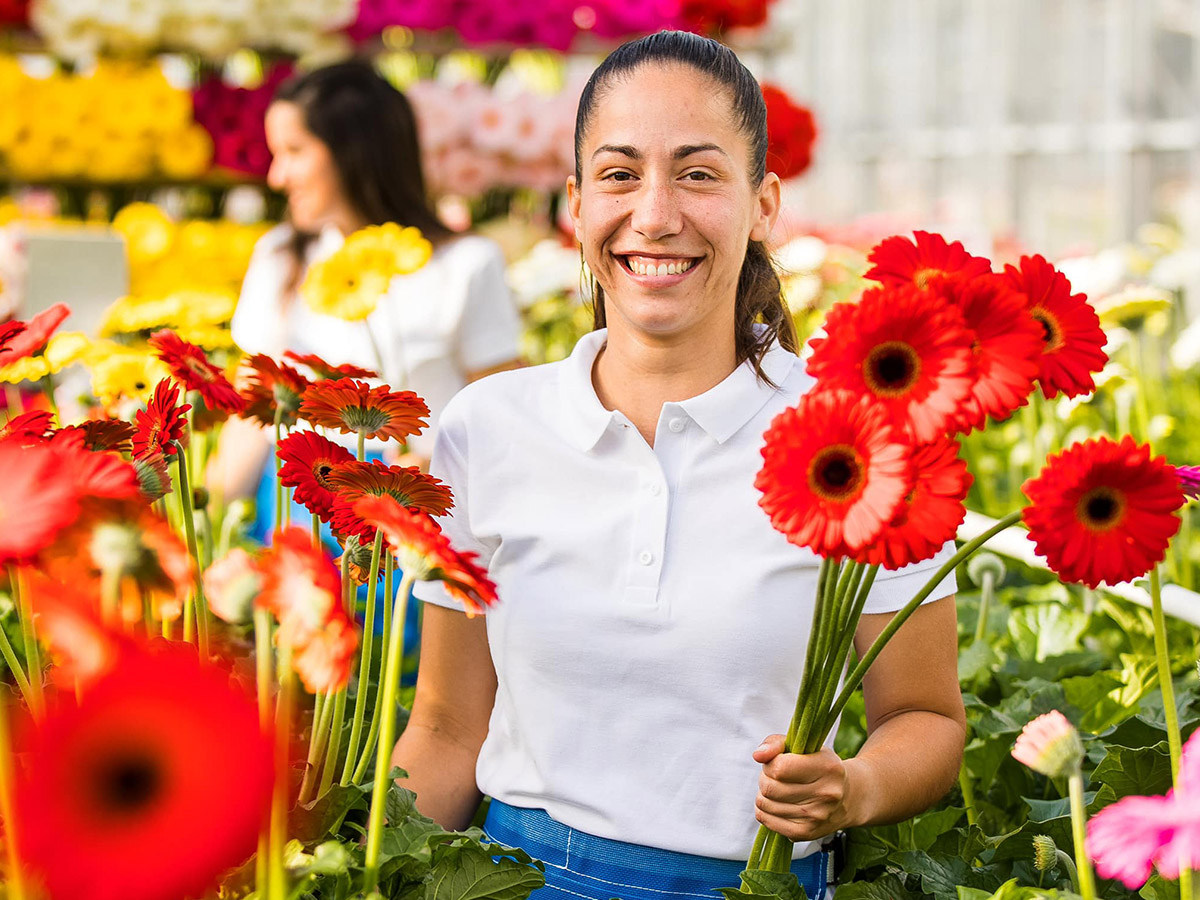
<point x="371" y="133"/>
<point x="759" y="296"/>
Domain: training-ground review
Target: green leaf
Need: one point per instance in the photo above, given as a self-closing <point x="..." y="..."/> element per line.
<point x="920" y="833"/>
<point x="761" y="883"/>
<point x="1042" y="630"/>
<point x="324" y="816"/>
<point x="968" y="893"/>
<point x="331" y="858"/>
<point x="975" y="663"/>
<point x="1135" y="770"/>
<point x="469" y="873"/>
<point x="889" y="887"/>
<point x="941" y="875"/>
<point x="1045" y="810"/>
<point x="1158" y="888"/>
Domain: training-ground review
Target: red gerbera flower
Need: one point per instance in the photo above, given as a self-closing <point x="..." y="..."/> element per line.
<point x="98" y="474"/>
<point x="308" y="458"/>
<point x="189" y="364"/>
<point x="1073" y="339"/>
<point x="326" y="370"/>
<point x="302" y="589"/>
<point x="38" y="499"/>
<point x="268" y="386"/>
<point x="29" y="427"/>
<point x="791" y="133"/>
<point x="8" y="331"/>
<point x="162" y="423"/>
<point x="905" y="347"/>
<point x="82" y="648"/>
<point x="354" y="407"/>
<point x="1007" y="348"/>
<point x="923" y="261"/>
<point x="408" y="485"/>
<point x="422" y="550"/>
<point x="36" y="333"/>
<point x="1103" y="511"/>
<point x="162" y="746"/>
<point x="105" y="434"/>
<point x="154" y="478"/>
<point x="835" y="471"/>
<point x="931" y="513"/>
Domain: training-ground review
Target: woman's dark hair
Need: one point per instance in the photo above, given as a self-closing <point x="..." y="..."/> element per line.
<point x="371" y="133"/>
<point x="759" y="296"/>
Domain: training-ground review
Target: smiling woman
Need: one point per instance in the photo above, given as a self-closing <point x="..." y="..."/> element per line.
<point x="618" y="704"/>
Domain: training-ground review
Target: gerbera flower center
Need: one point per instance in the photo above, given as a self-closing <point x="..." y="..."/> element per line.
<point x="364" y="419"/>
<point x="125" y="784"/>
<point x="321" y="470"/>
<point x="198" y="368"/>
<point x="892" y="368"/>
<point x="1051" y="333"/>
<point x="1101" y="509"/>
<point x="836" y="473"/>
<point x="922" y="278"/>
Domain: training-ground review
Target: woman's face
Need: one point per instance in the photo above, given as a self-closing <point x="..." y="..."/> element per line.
<point x="302" y="168"/>
<point x="664" y="208"/>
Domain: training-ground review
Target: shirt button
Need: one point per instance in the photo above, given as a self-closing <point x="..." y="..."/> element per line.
<point x="645" y="557"/>
<point x="677" y="425"/>
<point x="655" y="488"/>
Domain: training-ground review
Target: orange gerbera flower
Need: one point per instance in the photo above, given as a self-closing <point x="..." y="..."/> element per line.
<point x="354" y="407"/>
<point x="836" y="470"/>
<point x="160" y="747"/>
<point x="1073" y="339"/>
<point x="29" y="427"/>
<point x="189" y="364"/>
<point x="162" y="424"/>
<point x="231" y="584"/>
<point x="907" y="348"/>
<point x="268" y="386"/>
<point x="923" y="261"/>
<point x="408" y="485"/>
<point x="38" y="499"/>
<point x="308" y="458"/>
<point x="1007" y="348"/>
<point x="105" y="434"/>
<point x="422" y="550"/>
<point x="325" y="370"/>
<point x="1103" y="511"/>
<point x="36" y="333"/>
<point x="302" y="589"/>
<point x="931" y="513"/>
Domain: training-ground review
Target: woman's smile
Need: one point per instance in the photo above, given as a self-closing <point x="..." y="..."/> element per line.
<point x="657" y="270"/>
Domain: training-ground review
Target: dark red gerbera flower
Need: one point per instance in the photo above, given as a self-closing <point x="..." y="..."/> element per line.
<point x="189" y="364"/>
<point x="267" y="386"/>
<point x="408" y="485"/>
<point x="38" y="499"/>
<point x="36" y="333"/>
<point x="325" y="370"/>
<point x="421" y="549"/>
<point x="162" y="423"/>
<point x="922" y="262"/>
<point x="791" y="133"/>
<point x="1103" y="511"/>
<point x="931" y="513"/>
<point x="105" y="434"/>
<point x="1007" y="348"/>
<point x="98" y="474"/>
<point x="717" y="16"/>
<point x="1073" y="339"/>
<point x="835" y="471"/>
<point x="905" y="347"/>
<point x="162" y="746"/>
<point x="28" y="427"/>
<point x="308" y="458"/>
<point x="8" y="331"/>
<point x="302" y="589"/>
<point x="354" y="407"/>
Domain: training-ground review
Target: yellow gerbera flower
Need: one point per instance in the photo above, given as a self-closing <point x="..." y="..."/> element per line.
<point x="147" y="231"/>
<point x="350" y="283"/>
<point x="198" y="308"/>
<point x="210" y="337"/>
<point x="1134" y="302"/>
<point x="131" y="374"/>
<point x="61" y="350"/>
<point x="135" y="313"/>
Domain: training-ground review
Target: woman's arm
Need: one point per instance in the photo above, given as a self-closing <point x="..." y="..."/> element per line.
<point x="235" y="469"/>
<point x="456" y="689"/>
<point x="917" y="726"/>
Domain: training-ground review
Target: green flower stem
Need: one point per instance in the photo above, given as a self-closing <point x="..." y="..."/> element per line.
<point x="987" y="588"/>
<point x="15" y="881"/>
<point x="262" y="671"/>
<point x="48" y="389"/>
<point x="362" y="446"/>
<point x="14" y="665"/>
<point x="1174" y="738"/>
<point x="756" y="851"/>
<point x="387" y="738"/>
<point x="278" y="464"/>
<point x="1067" y="863"/>
<point x="968" y="794"/>
<point x="316" y="531"/>
<point x="276" y="873"/>
<point x="189" y="529"/>
<point x="364" y="664"/>
<point x="333" y="748"/>
<point x="1087" y="882"/>
<point x="364" y="759"/>
<point x="810" y="656"/>
<point x="854" y="679"/>
<point x="33" y="653"/>
<point x="318" y="739"/>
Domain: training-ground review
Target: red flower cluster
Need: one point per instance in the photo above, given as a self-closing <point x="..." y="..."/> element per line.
<point x="354" y="407"/>
<point x="271" y="390"/>
<point x="867" y="467"/>
<point x="717" y="16"/>
<point x="161" y="425"/>
<point x="791" y="132"/>
<point x="190" y="366"/>
<point x="324" y="370"/>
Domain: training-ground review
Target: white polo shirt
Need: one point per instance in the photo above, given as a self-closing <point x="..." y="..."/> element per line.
<point x="652" y="625"/>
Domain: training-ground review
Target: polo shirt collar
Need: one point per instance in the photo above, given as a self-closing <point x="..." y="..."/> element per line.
<point x="721" y="411"/>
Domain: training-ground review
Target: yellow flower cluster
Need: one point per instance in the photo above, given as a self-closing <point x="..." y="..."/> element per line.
<point x="61" y="350"/>
<point x="349" y="283"/>
<point x="121" y="121"/>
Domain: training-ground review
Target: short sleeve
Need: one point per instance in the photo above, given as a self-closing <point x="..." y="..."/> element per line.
<point x="449" y="463"/>
<point x="490" y="331"/>
<point x="256" y="326"/>
<point x="893" y="589"/>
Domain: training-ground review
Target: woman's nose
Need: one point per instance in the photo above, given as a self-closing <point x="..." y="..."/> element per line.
<point x="276" y="174"/>
<point x="656" y="212"/>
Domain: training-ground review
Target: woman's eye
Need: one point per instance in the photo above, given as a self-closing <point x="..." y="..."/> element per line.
<point x="698" y="176"/>
<point x="618" y="176"/>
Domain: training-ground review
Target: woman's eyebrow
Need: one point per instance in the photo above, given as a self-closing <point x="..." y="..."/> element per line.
<point x="688" y="149"/>
<point x="680" y="152"/>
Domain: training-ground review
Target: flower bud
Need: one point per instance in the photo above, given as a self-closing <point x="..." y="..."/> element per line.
<point x="981" y="564"/>
<point x="1050" y="745"/>
<point x="1045" y="852"/>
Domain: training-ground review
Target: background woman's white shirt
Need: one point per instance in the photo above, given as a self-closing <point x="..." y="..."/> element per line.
<point x="652" y="625"/>
<point x="453" y="316"/>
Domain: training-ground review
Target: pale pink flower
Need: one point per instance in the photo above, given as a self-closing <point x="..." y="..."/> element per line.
<point x="1050" y="745"/>
<point x="231" y="584"/>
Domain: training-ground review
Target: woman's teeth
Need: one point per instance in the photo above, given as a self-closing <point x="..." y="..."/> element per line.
<point x="642" y="266"/>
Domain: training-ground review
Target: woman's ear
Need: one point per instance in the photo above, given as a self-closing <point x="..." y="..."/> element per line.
<point x="573" y="203"/>
<point x="769" y="201"/>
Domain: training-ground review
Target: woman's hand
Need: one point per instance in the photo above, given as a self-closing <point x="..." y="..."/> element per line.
<point x="803" y="797"/>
